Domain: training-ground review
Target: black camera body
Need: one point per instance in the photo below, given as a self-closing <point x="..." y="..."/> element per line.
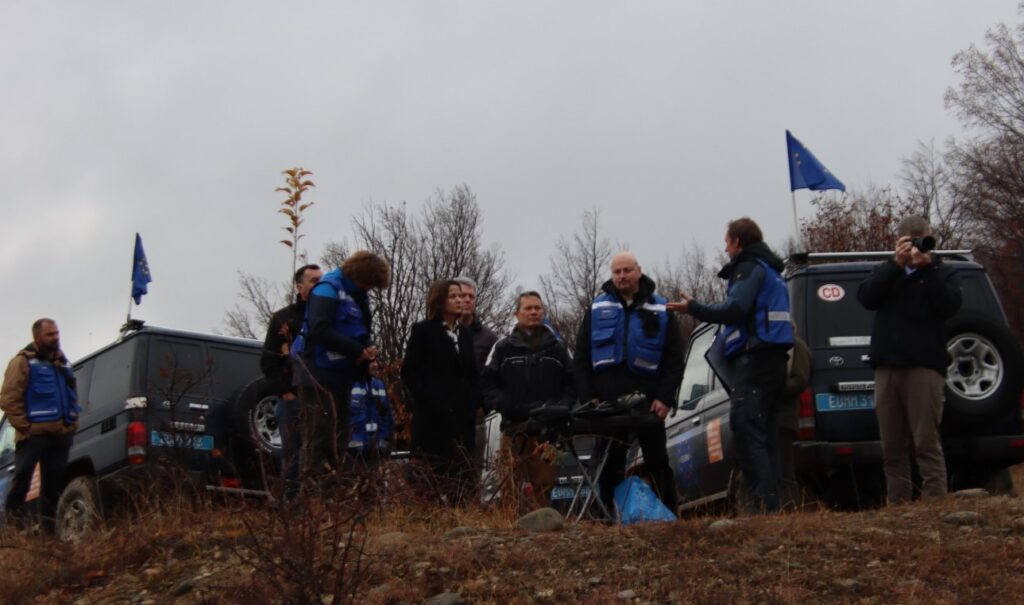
<point x="924" y="243"/>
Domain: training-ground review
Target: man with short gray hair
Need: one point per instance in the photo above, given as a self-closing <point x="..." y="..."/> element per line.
<point x="912" y="294"/>
<point x="483" y="337"/>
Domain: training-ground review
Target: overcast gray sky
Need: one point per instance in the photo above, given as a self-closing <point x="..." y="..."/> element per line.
<point x="174" y="119"/>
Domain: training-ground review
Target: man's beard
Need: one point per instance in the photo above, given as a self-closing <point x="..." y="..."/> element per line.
<point x="48" y="350"/>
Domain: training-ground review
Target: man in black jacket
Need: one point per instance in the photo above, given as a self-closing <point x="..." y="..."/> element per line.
<point x="629" y="342"/>
<point x="912" y="294"/>
<point x="526" y="369"/>
<point x="277" y="368"/>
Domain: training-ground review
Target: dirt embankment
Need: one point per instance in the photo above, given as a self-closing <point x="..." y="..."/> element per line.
<point x="968" y="548"/>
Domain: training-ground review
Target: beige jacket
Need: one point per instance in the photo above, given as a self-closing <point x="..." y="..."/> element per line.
<point x="12" y="398"/>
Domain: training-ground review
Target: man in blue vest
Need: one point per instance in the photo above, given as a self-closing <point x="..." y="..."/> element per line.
<point x="758" y="334"/>
<point x="629" y="342"/>
<point x="40" y="401"/>
<point x="332" y="350"/>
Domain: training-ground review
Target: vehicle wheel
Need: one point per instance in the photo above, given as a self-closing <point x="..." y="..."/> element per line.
<point x="78" y="510"/>
<point x="255" y="419"/>
<point x="986" y="370"/>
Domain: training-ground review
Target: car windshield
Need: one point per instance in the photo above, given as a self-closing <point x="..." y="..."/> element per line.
<point x="836" y="317"/>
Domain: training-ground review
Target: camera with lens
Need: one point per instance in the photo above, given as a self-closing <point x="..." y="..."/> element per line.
<point x="923" y="243"/>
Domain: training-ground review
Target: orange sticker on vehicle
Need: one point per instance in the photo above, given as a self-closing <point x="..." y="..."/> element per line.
<point x="714" y="435"/>
<point x="33" y="486"/>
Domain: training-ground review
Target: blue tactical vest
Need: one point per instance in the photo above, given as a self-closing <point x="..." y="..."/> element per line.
<point x="370" y="416"/>
<point x="348" y="320"/>
<point x="770" y="323"/>
<point x="49" y="396"/>
<point x="610" y="344"/>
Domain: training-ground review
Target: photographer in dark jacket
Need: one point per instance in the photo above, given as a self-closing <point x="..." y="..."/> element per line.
<point x="525" y="370"/>
<point x="276" y="364"/>
<point x="629" y="342"/>
<point x="912" y="294"/>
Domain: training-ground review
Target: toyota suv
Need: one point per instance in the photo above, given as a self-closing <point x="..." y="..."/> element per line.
<point x="838" y="455"/>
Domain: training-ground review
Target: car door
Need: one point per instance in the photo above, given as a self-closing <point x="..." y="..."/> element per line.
<point x="685" y="430"/>
<point x="6" y="464"/>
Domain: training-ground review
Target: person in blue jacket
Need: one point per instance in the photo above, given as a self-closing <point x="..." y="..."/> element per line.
<point x="332" y="350"/>
<point x="372" y="420"/>
<point x="41" y="403"/>
<point x="758" y="334"/>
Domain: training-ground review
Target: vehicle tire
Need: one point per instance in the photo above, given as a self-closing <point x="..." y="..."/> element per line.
<point x="983" y="380"/>
<point x="254" y="418"/>
<point x="78" y="510"/>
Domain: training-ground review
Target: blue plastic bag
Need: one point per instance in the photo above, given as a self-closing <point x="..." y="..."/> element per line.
<point x="636" y="502"/>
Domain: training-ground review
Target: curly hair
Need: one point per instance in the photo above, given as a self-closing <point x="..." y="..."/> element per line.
<point x="437" y="296"/>
<point x="368" y="270"/>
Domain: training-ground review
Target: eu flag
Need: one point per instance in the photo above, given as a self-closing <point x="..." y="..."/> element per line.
<point x="805" y="171"/>
<point x="140" y="271"/>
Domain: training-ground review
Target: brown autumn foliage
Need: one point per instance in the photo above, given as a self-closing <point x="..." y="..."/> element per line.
<point x="328" y="550"/>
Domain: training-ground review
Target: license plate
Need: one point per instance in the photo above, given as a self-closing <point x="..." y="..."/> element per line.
<point x="566" y="492"/>
<point x="839" y="402"/>
<point x="195" y="442"/>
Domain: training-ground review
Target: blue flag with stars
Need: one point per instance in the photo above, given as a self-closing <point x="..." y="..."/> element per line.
<point x="140" y="271"/>
<point x="805" y="171"/>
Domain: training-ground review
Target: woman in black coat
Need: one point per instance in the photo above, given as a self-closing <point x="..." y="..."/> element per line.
<point x="441" y="377"/>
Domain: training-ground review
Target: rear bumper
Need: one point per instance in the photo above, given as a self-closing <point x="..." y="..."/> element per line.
<point x="814" y="457"/>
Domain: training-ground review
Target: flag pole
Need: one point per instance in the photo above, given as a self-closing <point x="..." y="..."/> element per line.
<point x="796" y="224"/>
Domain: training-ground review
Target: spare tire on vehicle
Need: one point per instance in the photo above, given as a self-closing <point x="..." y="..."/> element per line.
<point x="984" y="377"/>
<point x="254" y="428"/>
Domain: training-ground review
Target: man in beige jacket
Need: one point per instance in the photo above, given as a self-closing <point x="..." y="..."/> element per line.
<point x="39" y="399"/>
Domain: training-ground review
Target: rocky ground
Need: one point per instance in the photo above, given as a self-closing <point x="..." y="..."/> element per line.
<point x="968" y="548"/>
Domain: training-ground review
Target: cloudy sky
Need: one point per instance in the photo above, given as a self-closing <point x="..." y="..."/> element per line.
<point x="174" y="119"/>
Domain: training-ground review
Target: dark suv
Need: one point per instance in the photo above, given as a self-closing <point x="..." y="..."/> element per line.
<point x="838" y="454"/>
<point x="153" y="401"/>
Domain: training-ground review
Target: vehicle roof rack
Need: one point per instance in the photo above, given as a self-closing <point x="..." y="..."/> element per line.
<point x="807" y="258"/>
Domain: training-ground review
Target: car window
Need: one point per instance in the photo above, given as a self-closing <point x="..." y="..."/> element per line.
<point x="83" y="376"/>
<point x="6" y="438"/>
<point x="835" y="317"/>
<point x="978" y="295"/>
<point x="178" y="368"/>
<point x="232" y="369"/>
<point x="697" y="376"/>
<point x="113" y="372"/>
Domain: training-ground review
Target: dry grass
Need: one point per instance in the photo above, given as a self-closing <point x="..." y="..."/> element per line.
<point x="242" y="552"/>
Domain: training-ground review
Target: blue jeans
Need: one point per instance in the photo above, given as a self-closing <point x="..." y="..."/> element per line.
<point x="290" y="428"/>
<point x="760" y="379"/>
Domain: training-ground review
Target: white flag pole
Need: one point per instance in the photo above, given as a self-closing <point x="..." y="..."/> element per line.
<point x="796" y="223"/>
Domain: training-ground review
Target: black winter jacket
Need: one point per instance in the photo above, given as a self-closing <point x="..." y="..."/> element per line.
<point x="443" y="383"/>
<point x="519" y="377"/>
<point x="910" y="314"/>
<point x="616" y="381"/>
<point x="275" y="362"/>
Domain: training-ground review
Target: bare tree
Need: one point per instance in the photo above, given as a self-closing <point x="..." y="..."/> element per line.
<point x="695" y="274"/>
<point x="989" y="166"/>
<point x="260" y="298"/>
<point x="579" y="266"/>
<point x="928" y="186"/>
<point x="450" y="234"/>
<point x="857" y="221"/>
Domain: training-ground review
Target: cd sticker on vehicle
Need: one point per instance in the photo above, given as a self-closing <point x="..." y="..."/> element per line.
<point x="831" y="293"/>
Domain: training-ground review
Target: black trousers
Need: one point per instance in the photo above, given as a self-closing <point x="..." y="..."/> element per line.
<point x="50" y="452"/>
<point x="760" y="380"/>
<point x="652" y="443"/>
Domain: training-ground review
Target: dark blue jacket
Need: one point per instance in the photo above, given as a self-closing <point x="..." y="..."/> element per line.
<point x="756" y="310"/>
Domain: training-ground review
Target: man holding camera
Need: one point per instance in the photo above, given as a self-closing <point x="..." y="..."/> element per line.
<point x="912" y="294"/>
